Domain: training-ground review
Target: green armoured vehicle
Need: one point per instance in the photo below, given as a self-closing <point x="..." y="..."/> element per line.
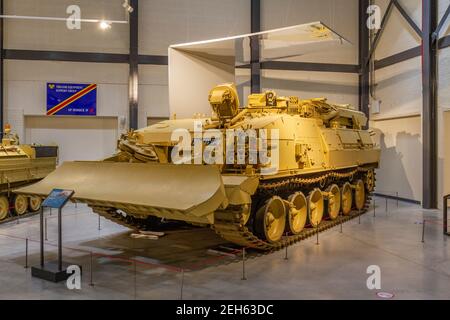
<point x="324" y="175"/>
<point x="22" y="165"/>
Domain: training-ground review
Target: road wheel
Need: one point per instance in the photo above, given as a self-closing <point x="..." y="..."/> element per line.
<point x="360" y="195"/>
<point x="298" y="213"/>
<point x="315" y="207"/>
<point x="333" y="202"/>
<point x="347" y="198"/>
<point x="20" y="203"/>
<point x="35" y="204"/>
<point x="4" y="207"/>
<point x="271" y="219"/>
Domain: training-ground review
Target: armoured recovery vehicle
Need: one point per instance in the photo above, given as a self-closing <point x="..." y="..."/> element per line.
<point x="324" y="172"/>
<point x="21" y="165"/>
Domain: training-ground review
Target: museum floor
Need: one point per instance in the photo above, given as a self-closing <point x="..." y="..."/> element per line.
<point x="126" y="268"/>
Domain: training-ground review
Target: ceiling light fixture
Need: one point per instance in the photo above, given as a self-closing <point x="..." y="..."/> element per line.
<point x="105" y="25"/>
<point x="110" y="22"/>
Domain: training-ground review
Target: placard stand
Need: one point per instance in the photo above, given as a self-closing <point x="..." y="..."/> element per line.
<point x="54" y="271"/>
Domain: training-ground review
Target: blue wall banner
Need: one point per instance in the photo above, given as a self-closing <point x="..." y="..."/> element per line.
<point x="70" y="99"/>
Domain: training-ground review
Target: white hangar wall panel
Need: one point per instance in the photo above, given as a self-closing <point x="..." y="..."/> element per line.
<point x="444" y="121"/>
<point x="153" y="93"/>
<point x="398" y="36"/>
<point x="444" y="108"/>
<point x="401" y="157"/>
<point x="25" y="104"/>
<point x="399" y="87"/>
<point x="341" y="16"/>
<point x="166" y="22"/>
<point x="338" y="88"/>
<point x="92" y="138"/>
<point x="54" y="35"/>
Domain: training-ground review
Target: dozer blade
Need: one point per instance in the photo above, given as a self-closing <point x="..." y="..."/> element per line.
<point x="187" y="189"/>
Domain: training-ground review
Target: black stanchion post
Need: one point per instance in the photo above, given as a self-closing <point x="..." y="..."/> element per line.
<point x="386" y="208"/>
<point x="396" y="194"/>
<point x="99" y="227"/>
<point x="26" y="253"/>
<point x="91" y="269"/>
<point x="423" y="231"/>
<point x="374" y="207"/>
<point x="243" y="264"/>
<point x="359" y="216"/>
<point x="45" y="227"/>
<point x="135" y="283"/>
<point x="286" y="250"/>
<point x="317" y="235"/>
<point x="50" y="212"/>
<point x="59" y="239"/>
<point x="445" y="215"/>
<point x="182" y="284"/>
<point x="42" y="236"/>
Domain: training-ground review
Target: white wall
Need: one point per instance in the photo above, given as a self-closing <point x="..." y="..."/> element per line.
<point x="337" y="87"/>
<point x="153" y="93"/>
<point x="53" y="35"/>
<point x="92" y="138"/>
<point x="167" y="22"/>
<point x="162" y="23"/>
<point x="25" y="95"/>
<point x="401" y="157"/>
<point x="398" y="35"/>
<point x="444" y="107"/>
<point x="176" y="21"/>
<point x="78" y="138"/>
<point x="399" y="87"/>
<point x="25" y="81"/>
<point x="341" y="16"/>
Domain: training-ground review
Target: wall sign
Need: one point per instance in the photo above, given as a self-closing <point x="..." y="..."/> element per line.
<point x="70" y="99"/>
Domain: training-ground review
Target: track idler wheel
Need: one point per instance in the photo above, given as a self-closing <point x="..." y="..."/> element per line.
<point x="347" y="198"/>
<point x="333" y="202"/>
<point x="315" y="207"/>
<point x="360" y="195"/>
<point x="298" y="213"/>
<point x="35" y="204"/>
<point x="20" y="204"/>
<point x="4" y="207"/>
<point x="270" y="220"/>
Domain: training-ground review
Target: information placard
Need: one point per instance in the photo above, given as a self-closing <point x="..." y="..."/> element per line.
<point x="58" y="198"/>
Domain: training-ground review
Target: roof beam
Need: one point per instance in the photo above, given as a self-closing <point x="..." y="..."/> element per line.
<point x="408" y="18"/>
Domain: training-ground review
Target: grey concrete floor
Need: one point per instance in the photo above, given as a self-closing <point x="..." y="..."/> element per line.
<point x="126" y="268"/>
